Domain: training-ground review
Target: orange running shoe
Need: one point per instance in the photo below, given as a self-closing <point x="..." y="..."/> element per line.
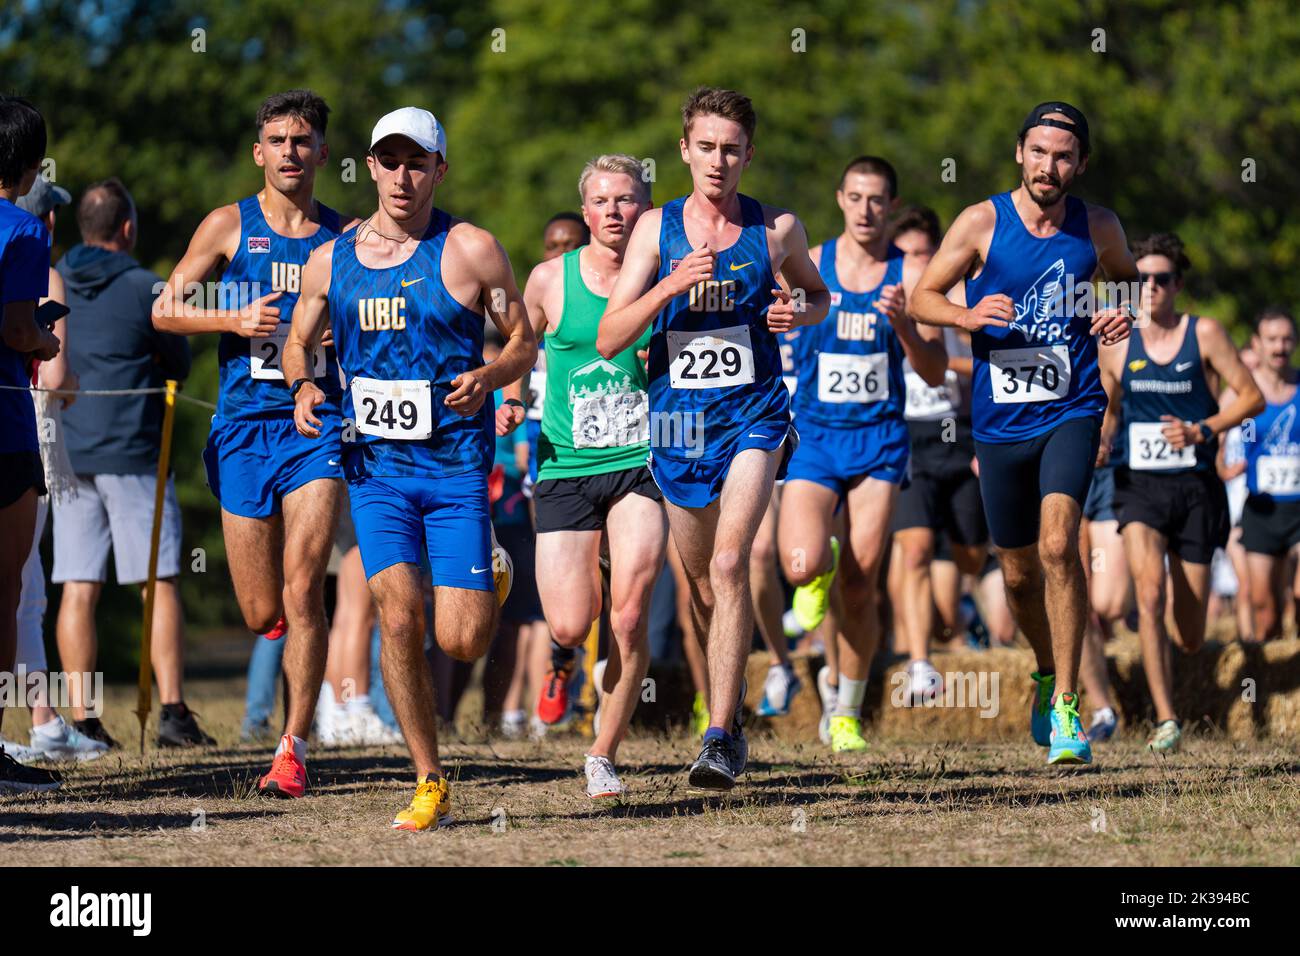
<point x="277" y="632"/>
<point x="288" y="778"/>
<point x="553" y="703"/>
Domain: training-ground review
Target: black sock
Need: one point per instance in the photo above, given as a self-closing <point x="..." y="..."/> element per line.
<point x="178" y="710"/>
<point x="561" y="655"/>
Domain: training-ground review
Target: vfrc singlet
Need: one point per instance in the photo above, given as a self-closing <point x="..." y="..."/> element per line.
<point x="714" y="364"/>
<point x="1273" y="457"/>
<point x="1151" y="390"/>
<point x="850" y="364"/>
<point x="1041" y="370"/>
<point x="596" y="416"/>
<point x="401" y="339"/>
<point x="252" y="382"/>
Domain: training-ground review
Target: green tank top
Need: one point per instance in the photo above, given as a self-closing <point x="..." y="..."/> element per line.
<point x="595" y="419"/>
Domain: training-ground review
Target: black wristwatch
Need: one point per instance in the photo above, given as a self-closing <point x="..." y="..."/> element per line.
<point x="1206" y="432"/>
<point x="516" y="403"/>
<point x="297" y="384"/>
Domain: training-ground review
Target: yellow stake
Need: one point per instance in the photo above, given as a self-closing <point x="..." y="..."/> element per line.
<point x="144" y="700"/>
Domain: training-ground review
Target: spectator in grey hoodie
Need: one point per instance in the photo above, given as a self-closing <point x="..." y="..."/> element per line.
<point x="114" y="443"/>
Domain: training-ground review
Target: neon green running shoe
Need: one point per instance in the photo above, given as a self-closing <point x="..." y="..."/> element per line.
<point x="846" y="735"/>
<point x="699" y="716"/>
<point x="811" y="599"/>
<point x="1166" y="738"/>
<point x="1069" y="742"/>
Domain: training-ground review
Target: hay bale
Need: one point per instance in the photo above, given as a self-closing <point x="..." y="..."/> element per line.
<point x="1246" y="691"/>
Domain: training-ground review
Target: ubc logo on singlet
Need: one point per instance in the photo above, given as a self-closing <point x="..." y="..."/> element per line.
<point x="714" y="295"/>
<point x="286" y="277"/>
<point x="382" y="314"/>
<point x="856" y="326"/>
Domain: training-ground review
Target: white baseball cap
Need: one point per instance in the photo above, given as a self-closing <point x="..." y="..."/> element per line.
<point x="419" y="126"/>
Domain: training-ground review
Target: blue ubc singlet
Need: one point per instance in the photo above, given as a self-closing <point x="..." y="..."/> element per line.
<point x="252" y="383"/>
<point x="712" y="358"/>
<point x="850" y="364"/>
<point x="1273" y="458"/>
<point x="401" y="339"/>
<point x="1042" y="369"/>
<point x="1150" y="390"/>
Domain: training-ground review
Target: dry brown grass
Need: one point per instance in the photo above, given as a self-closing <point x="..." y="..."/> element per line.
<point x="905" y="802"/>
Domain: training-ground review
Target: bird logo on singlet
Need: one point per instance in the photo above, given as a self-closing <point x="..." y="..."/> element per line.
<point x="1040" y="300"/>
<point x="1276" y="438"/>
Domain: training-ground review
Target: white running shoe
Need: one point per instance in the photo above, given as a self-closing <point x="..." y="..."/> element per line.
<point x="924" y="682"/>
<point x="514" y="725"/>
<point x="830" y="697"/>
<point x="366" y="729"/>
<point x="19" y="752"/>
<point x="331" y="721"/>
<point x="602" y="781"/>
<point x="537" y="728"/>
<point x="57" y="741"/>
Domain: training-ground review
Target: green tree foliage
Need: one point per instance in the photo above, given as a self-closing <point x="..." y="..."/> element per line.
<point x="1195" y="112"/>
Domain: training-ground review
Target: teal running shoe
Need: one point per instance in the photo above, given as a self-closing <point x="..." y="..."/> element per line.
<point x="1069" y="740"/>
<point x="1040" y="720"/>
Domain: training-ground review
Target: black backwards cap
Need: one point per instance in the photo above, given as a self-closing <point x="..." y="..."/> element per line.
<point x="1077" y="122"/>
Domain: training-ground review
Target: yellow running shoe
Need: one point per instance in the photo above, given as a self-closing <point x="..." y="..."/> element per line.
<point x="699" y="716"/>
<point x="811" y="599"/>
<point x="846" y="735"/>
<point x="430" y="807"/>
<point x="503" y="570"/>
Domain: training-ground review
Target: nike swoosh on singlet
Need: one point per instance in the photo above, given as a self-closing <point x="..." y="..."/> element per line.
<point x="1183" y="366"/>
<point x="477" y="570"/>
<point x="412" y="282"/>
<point x="737" y="268"/>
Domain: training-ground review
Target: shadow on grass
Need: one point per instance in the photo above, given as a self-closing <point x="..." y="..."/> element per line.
<point x="54" y="824"/>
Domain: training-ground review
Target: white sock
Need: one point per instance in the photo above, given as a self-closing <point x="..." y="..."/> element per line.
<point x="54" y="727"/>
<point x="848" y="702"/>
<point x="299" y="748"/>
<point x="326" y="695"/>
<point x="358" y="704"/>
<point x="514" y="716"/>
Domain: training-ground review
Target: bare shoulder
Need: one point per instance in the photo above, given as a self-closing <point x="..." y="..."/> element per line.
<point x="975" y="220"/>
<point x="1211" y="335"/>
<point x="223" y="223"/>
<point x="1103" y="223"/>
<point x="815" y="254"/>
<point x="471" y="240"/>
<point x="544" y="274"/>
<point x="780" y="221"/>
<point x="324" y="252"/>
<point x="648" y="222"/>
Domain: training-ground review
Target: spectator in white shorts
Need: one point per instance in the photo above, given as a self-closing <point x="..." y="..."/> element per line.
<point x="113" y="443"/>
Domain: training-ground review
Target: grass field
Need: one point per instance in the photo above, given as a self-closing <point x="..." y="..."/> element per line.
<point x="904" y="802"/>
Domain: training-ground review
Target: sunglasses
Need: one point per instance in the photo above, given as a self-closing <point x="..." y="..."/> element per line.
<point x="1161" y="279"/>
